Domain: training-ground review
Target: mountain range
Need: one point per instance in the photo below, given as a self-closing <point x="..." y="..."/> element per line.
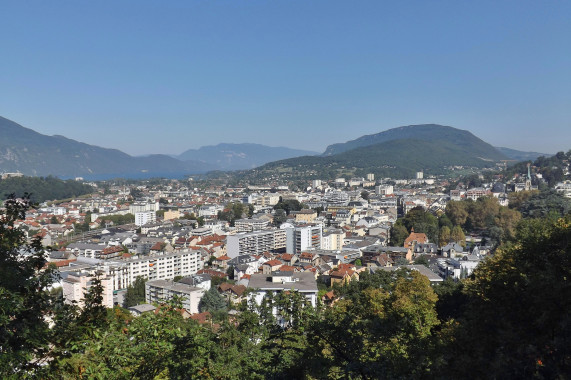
<point x="401" y="150"/>
<point x="31" y="153"/>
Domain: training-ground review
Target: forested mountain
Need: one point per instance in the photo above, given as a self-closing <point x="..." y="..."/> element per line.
<point x="42" y="189"/>
<point x="30" y="153"/>
<point x="425" y="132"/>
<point x="241" y="156"/>
<point x="396" y="158"/>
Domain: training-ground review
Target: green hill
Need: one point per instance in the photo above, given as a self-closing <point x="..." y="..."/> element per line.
<point x="425" y="132"/>
<point x="434" y="150"/>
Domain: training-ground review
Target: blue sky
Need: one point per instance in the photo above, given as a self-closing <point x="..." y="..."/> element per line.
<point x="166" y="76"/>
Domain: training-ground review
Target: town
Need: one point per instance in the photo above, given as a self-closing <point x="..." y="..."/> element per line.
<point x="183" y="237"/>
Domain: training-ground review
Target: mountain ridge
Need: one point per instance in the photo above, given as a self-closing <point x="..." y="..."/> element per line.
<point x="436" y="149"/>
<point x="31" y="153"/>
<point x="233" y="156"/>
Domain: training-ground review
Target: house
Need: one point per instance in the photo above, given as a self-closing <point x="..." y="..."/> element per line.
<point x="271" y="266"/>
<point x="414" y="239"/>
<point x="140" y="309"/>
<point x="451" y="250"/>
<point x="222" y="262"/>
<point x="232" y="292"/>
<point x="344" y="274"/>
<point x="382" y="260"/>
<point x="425" y="249"/>
<point x="309" y="258"/>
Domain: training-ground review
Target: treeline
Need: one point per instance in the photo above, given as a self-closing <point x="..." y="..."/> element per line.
<point x="42" y="188"/>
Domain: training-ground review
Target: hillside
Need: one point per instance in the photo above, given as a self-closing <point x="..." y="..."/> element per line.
<point x="439" y="149"/>
<point x="519" y="155"/>
<point x="241" y="156"/>
<point x="42" y="189"/>
<point x="31" y="153"/>
<point x="425" y="132"/>
<point x="398" y="158"/>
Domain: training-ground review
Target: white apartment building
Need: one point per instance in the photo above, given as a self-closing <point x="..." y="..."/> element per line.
<point x="333" y="240"/>
<point x="145" y="217"/>
<point x="162" y="290"/>
<point x="158" y="267"/>
<point x="143" y="206"/>
<point x="165" y="266"/>
<point x="249" y="225"/>
<point x="209" y="210"/>
<point x="267" y="200"/>
<point x="255" y="243"/>
<point x="302" y="237"/>
<point x="76" y="285"/>
<point x="384" y="190"/>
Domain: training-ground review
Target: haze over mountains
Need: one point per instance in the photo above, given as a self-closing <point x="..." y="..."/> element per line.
<point x="408" y="148"/>
<point x="31" y="153"/>
<point x="240" y="156"/>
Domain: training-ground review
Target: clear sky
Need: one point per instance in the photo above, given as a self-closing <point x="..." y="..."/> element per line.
<point x="166" y="76"/>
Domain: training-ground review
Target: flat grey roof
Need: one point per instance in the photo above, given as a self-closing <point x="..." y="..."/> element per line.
<point x="173" y="286"/>
<point x="433" y="277"/>
<point x="142" y="308"/>
<point x="303" y="282"/>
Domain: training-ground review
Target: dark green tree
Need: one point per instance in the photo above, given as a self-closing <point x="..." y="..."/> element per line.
<point x="519" y="302"/>
<point x="212" y="301"/>
<point x="135" y="294"/>
<point x="25" y="303"/>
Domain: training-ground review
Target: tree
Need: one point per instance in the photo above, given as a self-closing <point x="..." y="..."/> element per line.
<point x="135" y="294"/>
<point x="422" y="221"/>
<point x="519" y="302"/>
<point x="25" y="305"/>
<point x="421" y="260"/>
<point x="365" y="195"/>
<point x="289" y="205"/>
<point x="457" y="235"/>
<point x="457" y="212"/>
<point x="399" y="233"/>
<point x="385" y="331"/>
<point x="445" y="236"/>
<point x="279" y="217"/>
<point x="212" y="301"/>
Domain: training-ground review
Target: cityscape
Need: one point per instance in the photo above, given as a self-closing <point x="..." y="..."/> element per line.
<point x="217" y="190"/>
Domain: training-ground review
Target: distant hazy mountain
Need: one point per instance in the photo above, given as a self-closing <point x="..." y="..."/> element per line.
<point x="425" y="132"/>
<point x="241" y="156"/>
<point x="398" y="152"/>
<point x="519" y="155"/>
<point x="31" y="153"/>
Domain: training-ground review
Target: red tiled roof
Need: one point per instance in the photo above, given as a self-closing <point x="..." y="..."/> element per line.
<point x="273" y="263"/>
<point x="113" y="249"/>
